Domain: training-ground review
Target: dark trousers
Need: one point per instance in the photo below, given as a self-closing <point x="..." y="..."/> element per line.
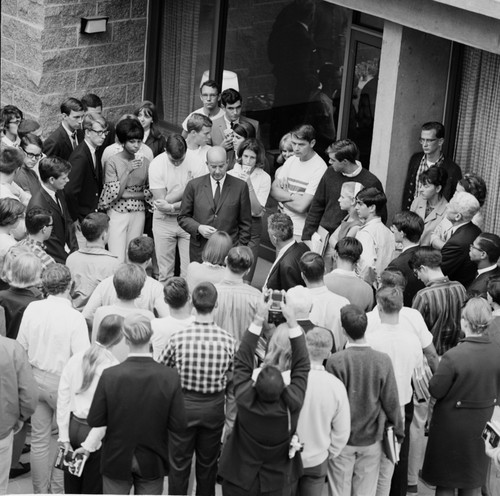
<point x="205" y="421"/>
<point x="399" y="482"/>
<point x="229" y="489"/>
<point x="254" y="245"/>
<point x="90" y="481"/>
<point x="312" y="481"/>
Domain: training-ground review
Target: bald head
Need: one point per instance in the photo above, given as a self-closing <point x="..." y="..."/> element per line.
<point x="217" y="162"/>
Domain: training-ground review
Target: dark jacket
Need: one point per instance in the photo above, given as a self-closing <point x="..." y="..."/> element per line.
<point x="58" y="144"/>
<point x="480" y="283"/>
<point x="286" y="273"/>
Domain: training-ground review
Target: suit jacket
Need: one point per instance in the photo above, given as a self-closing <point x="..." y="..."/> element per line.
<point x="232" y="215"/>
<point x="456" y="263"/>
<point x="58" y="144"/>
<point x="286" y="273"/>
<point x="432" y="220"/>
<point x="413" y="284"/>
<point x="85" y="182"/>
<point x="258" y="445"/>
<point x="480" y="283"/>
<point x="62" y="231"/>
<point x="139" y="401"/>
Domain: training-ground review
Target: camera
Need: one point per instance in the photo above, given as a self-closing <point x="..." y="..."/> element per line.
<point x="275" y="315"/>
<point x="491" y="433"/>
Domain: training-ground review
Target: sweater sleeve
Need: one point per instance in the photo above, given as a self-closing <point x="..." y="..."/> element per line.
<point x="390" y="401"/>
<point x="316" y="210"/>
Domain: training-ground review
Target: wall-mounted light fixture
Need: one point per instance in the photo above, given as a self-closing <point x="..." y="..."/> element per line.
<point x="90" y="25"/>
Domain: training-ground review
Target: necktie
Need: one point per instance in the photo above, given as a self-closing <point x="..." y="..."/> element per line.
<point x="217" y="194"/>
<point x="73" y="140"/>
<point x="232" y="125"/>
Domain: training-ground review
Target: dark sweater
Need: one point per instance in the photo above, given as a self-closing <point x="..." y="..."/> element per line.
<point x="373" y="395"/>
<point x="325" y="210"/>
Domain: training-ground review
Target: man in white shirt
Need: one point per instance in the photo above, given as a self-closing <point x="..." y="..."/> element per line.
<point x="51" y="331"/>
<point x="169" y="174"/>
<point x="297" y="180"/>
<point x="197" y="140"/>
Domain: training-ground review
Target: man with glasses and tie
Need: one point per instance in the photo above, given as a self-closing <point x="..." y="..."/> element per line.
<point x="215" y="202"/>
<point x="431" y="139"/>
<point x="86" y="177"/>
<point x="64" y="140"/>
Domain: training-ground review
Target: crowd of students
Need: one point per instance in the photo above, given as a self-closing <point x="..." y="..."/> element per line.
<point x="135" y="338"/>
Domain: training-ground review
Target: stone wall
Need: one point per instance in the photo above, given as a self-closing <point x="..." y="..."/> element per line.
<point x="46" y="59"/>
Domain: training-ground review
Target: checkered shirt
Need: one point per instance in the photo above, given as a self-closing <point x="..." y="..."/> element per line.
<point x="37" y="249"/>
<point x="203" y="355"/>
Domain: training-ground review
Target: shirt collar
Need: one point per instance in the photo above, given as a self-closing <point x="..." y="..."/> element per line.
<point x="357" y="345"/>
<point x="50" y="192"/>
<point x="356" y="172"/>
<point x="149" y="355"/>
<point x="344" y="272"/>
<point x="213" y="182"/>
<point x="92" y="148"/>
<point x="228" y="124"/>
<point x="486" y="269"/>
<point x="409" y="246"/>
<point x="96" y="250"/>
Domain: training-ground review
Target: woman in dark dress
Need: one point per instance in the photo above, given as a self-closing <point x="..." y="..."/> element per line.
<point x="466" y="386"/>
<point x="148" y="116"/>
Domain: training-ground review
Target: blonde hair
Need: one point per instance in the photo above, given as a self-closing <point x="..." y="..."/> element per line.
<point x="477" y="312"/>
<point x="279" y="352"/>
<point x="137" y="329"/>
<point x="24" y="270"/>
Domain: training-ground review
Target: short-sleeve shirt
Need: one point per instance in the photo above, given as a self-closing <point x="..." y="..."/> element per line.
<point x="261" y="182"/>
<point x="200" y="111"/>
<point x="303" y="178"/>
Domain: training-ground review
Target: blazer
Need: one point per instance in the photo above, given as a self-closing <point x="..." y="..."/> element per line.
<point x="286" y="273"/>
<point x="58" y="144"/>
<point x="432" y="220"/>
<point x="85" y="182"/>
<point x="232" y="215"/>
<point x="62" y="230"/>
<point x="413" y="284"/>
<point x="480" y="283"/>
<point x="456" y="263"/>
<point x="258" y="445"/>
<point x="139" y="401"/>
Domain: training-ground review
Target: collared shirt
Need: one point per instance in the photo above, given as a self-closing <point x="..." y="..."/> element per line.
<point x="228" y="123"/>
<point x="38" y="249"/>
<point x="213" y="183"/>
<point x="92" y="149"/>
<point x="356" y="172"/>
<point x="52" y="194"/>
<point x="203" y="354"/>
<point x="51" y="332"/>
<point x="486" y="269"/>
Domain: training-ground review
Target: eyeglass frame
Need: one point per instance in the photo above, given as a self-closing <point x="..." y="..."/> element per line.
<point x="101" y="132"/>
<point x="37" y="156"/>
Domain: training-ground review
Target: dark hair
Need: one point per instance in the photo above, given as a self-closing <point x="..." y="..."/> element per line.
<point x="344" y="150"/>
<point x="90" y="100"/>
<point x="94" y="225"/>
<point x="281" y="226"/>
<point x="27" y="126"/>
<point x="244" y="129"/>
<point x="304" y="132"/>
<point x="36" y="219"/>
<point x="71" y="104"/>
<point x="9" y="111"/>
<point x="10" y="211"/>
<point x="31" y="139"/>
<point x="372" y="196"/>
<point x="349" y="248"/>
<point x="196" y="122"/>
<point x="434" y="126"/>
<point x="176" y="146"/>
<point x="312" y="266"/>
<point x="393" y="278"/>
<point x="426" y="256"/>
<point x="490" y="244"/>
<point x="409" y="223"/>
<point x="149" y="109"/>
<point x="128" y="281"/>
<point x="56" y="279"/>
<point x="239" y="259"/>
<point x="475" y="185"/>
<point x="354" y="321"/>
<point x="435" y="175"/>
<point x="10" y="160"/>
<point x="255" y="146"/>
<point x="53" y="167"/>
<point x="230" y="97"/>
<point x="493" y="289"/>
<point x="269" y="384"/>
<point x="129" y="129"/>
<point x="211" y="84"/>
<point x="140" y="249"/>
<point x="204" y="297"/>
<point x="176" y="292"/>
<point x="390" y="299"/>
<point x="217" y="248"/>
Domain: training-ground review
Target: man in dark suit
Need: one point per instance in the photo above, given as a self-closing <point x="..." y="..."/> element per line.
<point x="54" y="173"/>
<point x="215" y="202"/>
<point x="255" y="459"/>
<point x="285" y="272"/>
<point x="139" y="402"/>
<point x="407" y="228"/>
<point x="86" y="176"/>
<point x="456" y="263"/>
<point x="231" y="102"/>
<point x="484" y="252"/>
<point x="64" y="139"/>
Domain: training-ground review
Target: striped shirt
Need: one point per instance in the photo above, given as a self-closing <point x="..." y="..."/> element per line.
<point x="237" y="304"/>
<point x="37" y="249"/>
<point x="440" y="304"/>
<point x="203" y="355"/>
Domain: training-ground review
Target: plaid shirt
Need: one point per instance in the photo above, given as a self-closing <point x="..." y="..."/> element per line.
<point x="38" y="249"/>
<point x="203" y="354"/>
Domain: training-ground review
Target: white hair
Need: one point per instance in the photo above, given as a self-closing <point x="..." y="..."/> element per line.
<point x="465" y="204"/>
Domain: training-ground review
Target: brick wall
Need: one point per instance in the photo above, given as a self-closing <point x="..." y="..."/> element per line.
<point x="46" y="59"/>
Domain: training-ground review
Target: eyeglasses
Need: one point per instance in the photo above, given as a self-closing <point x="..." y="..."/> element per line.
<point x="472" y="245"/>
<point x="424" y="141"/>
<point x="15" y="121"/>
<point x="100" y="133"/>
<point x="32" y="156"/>
<point x="207" y="96"/>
